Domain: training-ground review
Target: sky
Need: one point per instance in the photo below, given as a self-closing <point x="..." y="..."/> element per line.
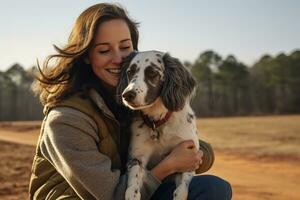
<point x="246" y="29"/>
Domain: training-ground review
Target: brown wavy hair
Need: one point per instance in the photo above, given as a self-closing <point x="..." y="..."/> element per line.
<point x="69" y="73"/>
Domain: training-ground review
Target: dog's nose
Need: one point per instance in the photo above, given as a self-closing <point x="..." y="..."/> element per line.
<point x="129" y="95"/>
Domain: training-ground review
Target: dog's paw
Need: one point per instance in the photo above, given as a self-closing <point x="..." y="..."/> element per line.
<point x="132" y="193"/>
<point x="181" y="193"/>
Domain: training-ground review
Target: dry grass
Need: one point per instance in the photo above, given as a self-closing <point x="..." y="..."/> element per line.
<point x="259" y="137"/>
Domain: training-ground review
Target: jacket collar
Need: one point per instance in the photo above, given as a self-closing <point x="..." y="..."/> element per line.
<point x="99" y="101"/>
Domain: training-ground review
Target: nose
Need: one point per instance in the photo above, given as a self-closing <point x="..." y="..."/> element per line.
<point x="129" y="95"/>
<point x="117" y="58"/>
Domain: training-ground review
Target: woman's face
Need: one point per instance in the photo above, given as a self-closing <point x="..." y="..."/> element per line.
<point x="111" y="44"/>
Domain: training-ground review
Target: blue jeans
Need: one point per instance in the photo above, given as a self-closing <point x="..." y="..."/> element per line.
<point x="203" y="187"/>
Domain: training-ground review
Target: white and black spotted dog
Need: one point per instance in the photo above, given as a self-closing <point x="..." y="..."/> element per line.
<point x="160" y="87"/>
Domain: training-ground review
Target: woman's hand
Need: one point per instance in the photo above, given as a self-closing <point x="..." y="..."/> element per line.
<point x="184" y="157"/>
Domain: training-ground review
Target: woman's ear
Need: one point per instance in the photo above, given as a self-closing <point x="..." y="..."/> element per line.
<point x="178" y="85"/>
<point x="123" y="81"/>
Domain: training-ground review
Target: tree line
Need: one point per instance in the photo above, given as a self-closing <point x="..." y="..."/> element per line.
<point x="225" y="87"/>
<point x="17" y="101"/>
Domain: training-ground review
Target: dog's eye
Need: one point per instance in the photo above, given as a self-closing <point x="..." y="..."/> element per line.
<point x="130" y="74"/>
<point x="152" y="73"/>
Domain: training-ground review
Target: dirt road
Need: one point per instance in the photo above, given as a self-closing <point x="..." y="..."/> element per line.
<point x="27" y="139"/>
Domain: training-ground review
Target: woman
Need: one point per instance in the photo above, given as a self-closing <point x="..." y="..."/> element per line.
<point x="82" y="149"/>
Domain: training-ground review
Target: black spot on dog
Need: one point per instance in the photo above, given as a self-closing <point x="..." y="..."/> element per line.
<point x="159" y="61"/>
<point x="189" y="117"/>
<point x="132" y="71"/>
<point x="133" y="162"/>
<point x="146" y="60"/>
<point x="135" y="191"/>
<point x="158" y="55"/>
<point x="137" y="90"/>
<point x="133" y="67"/>
<point x="154" y="83"/>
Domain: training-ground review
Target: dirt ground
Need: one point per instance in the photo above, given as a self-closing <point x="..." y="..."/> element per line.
<point x="15" y="168"/>
<point x="259" y="156"/>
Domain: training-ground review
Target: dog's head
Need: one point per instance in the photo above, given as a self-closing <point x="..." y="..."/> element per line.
<point x="148" y="75"/>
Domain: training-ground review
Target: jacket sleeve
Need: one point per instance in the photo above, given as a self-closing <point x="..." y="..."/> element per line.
<point x="69" y="142"/>
<point x="208" y="157"/>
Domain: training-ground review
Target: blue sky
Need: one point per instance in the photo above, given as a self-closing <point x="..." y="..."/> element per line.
<point x="244" y="28"/>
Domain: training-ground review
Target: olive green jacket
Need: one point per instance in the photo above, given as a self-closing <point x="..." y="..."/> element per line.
<point x="77" y="153"/>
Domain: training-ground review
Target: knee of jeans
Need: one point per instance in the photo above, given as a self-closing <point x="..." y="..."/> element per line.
<point x="209" y="187"/>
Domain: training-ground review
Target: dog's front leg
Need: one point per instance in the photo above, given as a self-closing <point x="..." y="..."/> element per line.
<point x="135" y="178"/>
<point x="182" y="185"/>
<point x="139" y="154"/>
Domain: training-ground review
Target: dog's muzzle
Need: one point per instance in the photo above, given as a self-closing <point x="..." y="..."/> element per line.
<point x="129" y="96"/>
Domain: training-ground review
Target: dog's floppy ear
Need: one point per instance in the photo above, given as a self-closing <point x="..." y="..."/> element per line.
<point x="178" y="85"/>
<point x="123" y="81"/>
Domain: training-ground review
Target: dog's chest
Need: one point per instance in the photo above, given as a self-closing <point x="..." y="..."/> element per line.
<point x="176" y="130"/>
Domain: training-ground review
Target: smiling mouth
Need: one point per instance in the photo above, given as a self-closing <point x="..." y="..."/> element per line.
<point x="114" y="71"/>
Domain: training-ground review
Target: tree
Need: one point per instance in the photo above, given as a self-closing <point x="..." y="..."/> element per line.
<point x="17" y="101"/>
<point x="294" y="81"/>
<point x="233" y="85"/>
<point x="203" y="69"/>
<point x="7" y="100"/>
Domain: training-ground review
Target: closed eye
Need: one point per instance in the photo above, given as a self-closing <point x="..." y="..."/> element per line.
<point x="124" y="48"/>
<point x="103" y="52"/>
<point x="121" y="48"/>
